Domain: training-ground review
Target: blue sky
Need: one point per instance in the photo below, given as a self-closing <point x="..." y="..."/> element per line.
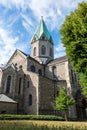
<point x="19" y="19"/>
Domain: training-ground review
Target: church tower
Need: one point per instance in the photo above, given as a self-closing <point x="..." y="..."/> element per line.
<point x="42" y="44"/>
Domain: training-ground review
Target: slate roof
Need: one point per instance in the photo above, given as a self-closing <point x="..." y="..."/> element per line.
<point x="58" y="60"/>
<point x="4" y="98"/>
<point x="42" y="29"/>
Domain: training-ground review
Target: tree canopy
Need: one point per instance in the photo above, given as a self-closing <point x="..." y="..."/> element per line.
<point x="63" y="101"/>
<point x="74" y="38"/>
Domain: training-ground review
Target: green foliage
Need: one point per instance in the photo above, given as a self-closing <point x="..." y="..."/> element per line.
<point x="74" y="38"/>
<point x="83" y="82"/>
<point x="30" y="117"/>
<point x="63" y="101"/>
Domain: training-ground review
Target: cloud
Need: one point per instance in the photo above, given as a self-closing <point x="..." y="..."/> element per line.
<point x="18" y="20"/>
<point x="7" y="44"/>
<point x="52" y="11"/>
<point x="13" y="3"/>
<point x="59" y="50"/>
<point x="27" y="23"/>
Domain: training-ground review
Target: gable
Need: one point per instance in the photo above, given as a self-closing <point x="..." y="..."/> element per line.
<point x="17" y="58"/>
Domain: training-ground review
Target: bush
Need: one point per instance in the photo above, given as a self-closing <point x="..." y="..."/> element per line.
<point x="30" y="117"/>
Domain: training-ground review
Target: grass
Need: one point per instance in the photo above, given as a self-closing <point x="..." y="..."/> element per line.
<point x="41" y="125"/>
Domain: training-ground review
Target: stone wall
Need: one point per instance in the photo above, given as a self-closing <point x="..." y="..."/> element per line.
<point x="60" y="65"/>
<point x="36" y="64"/>
<point x="18" y="59"/>
<point x="0" y="79"/>
<point x="8" y="72"/>
<point x="46" y="95"/>
<point x="14" y="86"/>
<point x="8" y="108"/>
<point x="31" y="88"/>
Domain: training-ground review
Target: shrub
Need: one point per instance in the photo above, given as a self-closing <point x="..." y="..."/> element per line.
<point x="30" y="117"/>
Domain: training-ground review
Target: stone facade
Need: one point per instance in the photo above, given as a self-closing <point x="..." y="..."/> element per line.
<point x="6" y="108"/>
<point x="0" y="79"/>
<point x="34" y="81"/>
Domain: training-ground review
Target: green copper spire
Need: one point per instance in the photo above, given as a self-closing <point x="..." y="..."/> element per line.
<point x="42" y="29"/>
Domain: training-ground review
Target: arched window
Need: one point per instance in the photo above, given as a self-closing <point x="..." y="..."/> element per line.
<point x="20" y="66"/>
<point x="30" y="100"/>
<point x="43" y="37"/>
<point x="43" y="50"/>
<point x="32" y="68"/>
<point x="28" y="84"/>
<point x="51" y="53"/>
<point x="19" y="90"/>
<point x="34" y="52"/>
<point x="40" y="72"/>
<point x="8" y="84"/>
<point x="54" y="71"/>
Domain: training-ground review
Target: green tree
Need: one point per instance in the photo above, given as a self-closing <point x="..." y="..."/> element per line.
<point x="63" y="101"/>
<point x="74" y="38"/>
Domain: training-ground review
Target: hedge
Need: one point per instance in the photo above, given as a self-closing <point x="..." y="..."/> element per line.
<point x="30" y="117"/>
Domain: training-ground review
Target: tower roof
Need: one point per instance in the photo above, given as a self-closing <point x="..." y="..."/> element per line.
<point x="42" y="29"/>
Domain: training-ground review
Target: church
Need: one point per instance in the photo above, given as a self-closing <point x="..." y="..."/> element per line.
<point x="29" y="84"/>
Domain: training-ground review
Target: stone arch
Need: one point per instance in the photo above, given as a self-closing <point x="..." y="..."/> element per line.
<point x="51" y="52"/>
<point x="54" y="71"/>
<point x="30" y="99"/>
<point x="43" y="50"/>
<point x="8" y="84"/>
<point x="34" y="51"/>
<point x="32" y="68"/>
<point x="40" y="72"/>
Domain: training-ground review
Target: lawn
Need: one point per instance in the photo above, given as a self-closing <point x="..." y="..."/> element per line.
<point x="41" y="125"/>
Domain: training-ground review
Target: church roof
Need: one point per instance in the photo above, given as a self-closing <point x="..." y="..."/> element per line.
<point x="58" y="60"/>
<point x="4" y="98"/>
<point x="42" y="29"/>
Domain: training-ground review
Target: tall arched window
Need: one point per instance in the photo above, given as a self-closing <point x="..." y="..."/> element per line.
<point x="32" y="68"/>
<point x="19" y="90"/>
<point x="43" y="50"/>
<point x="54" y="71"/>
<point x="28" y="84"/>
<point x="34" y="52"/>
<point x="30" y="100"/>
<point x="8" y="84"/>
<point x="51" y="52"/>
<point x="40" y="72"/>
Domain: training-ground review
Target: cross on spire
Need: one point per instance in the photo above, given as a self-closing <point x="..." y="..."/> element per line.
<point x="41" y="17"/>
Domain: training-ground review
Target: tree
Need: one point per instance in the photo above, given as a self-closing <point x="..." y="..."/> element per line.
<point x="63" y="101"/>
<point x="74" y="38"/>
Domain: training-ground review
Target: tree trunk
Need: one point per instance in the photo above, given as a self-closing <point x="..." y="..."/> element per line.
<point x="66" y="115"/>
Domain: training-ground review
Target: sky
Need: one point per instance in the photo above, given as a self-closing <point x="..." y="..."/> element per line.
<point x="19" y="19"/>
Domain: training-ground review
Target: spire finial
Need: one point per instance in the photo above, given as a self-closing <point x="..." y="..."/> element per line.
<point x="42" y="17"/>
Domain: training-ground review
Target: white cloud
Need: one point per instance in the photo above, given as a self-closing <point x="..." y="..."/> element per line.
<point x="59" y="50"/>
<point x="54" y="13"/>
<point x="53" y="10"/>
<point x="13" y="3"/>
<point x="27" y="23"/>
<point x="7" y="44"/>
